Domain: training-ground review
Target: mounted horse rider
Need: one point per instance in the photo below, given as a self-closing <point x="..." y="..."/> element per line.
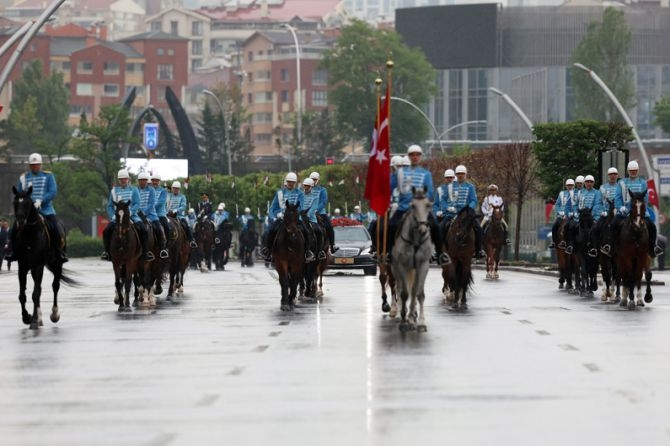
<point x="358" y="215"/>
<point x="176" y="207"/>
<point x="310" y="206"/>
<point x="204" y="208"/>
<point x="125" y="192"/>
<point x="601" y="234"/>
<point x="246" y="220"/>
<point x="444" y="209"/>
<point x="293" y="195"/>
<point x="148" y="211"/>
<point x="464" y="194"/>
<point x="191" y="218"/>
<point x="590" y="198"/>
<point x="161" y="203"/>
<point x="623" y="204"/>
<point x="322" y="209"/>
<point x="491" y="200"/>
<point x="44" y="191"/>
<point x="566" y="204"/>
<point x="405" y="179"/>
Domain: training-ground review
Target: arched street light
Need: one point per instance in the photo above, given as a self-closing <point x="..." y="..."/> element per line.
<point x="298" y="95"/>
<point x="514" y="106"/>
<point x="461" y="124"/>
<point x="225" y="133"/>
<point x="422" y="114"/>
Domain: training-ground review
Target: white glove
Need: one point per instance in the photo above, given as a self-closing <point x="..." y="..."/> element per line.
<point x="280" y="215"/>
<point x="394" y="207"/>
<point x="439" y="214"/>
<point x="623" y="210"/>
<point x="38" y="204"/>
<point x="561" y="214"/>
<point x="451" y="209"/>
<point x="603" y="214"/>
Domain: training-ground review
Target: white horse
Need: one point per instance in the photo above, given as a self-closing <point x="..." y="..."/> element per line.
<point x="411" y="256"/>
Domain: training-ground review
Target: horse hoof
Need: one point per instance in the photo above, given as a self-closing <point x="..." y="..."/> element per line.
<point x="421" y="328"/>
<point x="26" y="318"/>
<point x="158" y="290"/>
<point x="55" y="317"/>
<point x="286" y="307"/>
<point x="393" y="314"/>
<point x="648" y="298"/>
<point x="116" y="300"/>
<point x="121" y="310"/>
<point x="135" y="302"/>
<point x="34" y="325"/>
<point x="631" y="304"/>
<point x="386" y="307"/>
<point x="640" y="303"/>
<point x="403" y="327"/>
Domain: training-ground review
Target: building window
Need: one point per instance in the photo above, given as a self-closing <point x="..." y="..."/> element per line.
<point x="262" y="118"/>
<point x="160" y="51"/>
<point x="134" y="68"/>
<point x="174" y="27"/>
<point x="196" y="47"/>
<point x="170" y="51"/>
<point x="165" y="72"/>
<point x="66" y="66"/>
<point x="477" y="102"/>
<point x="319" y="98"/>
<point x="84" y="89"/>
<point x="284" y="95"/>
<point x="160" y="96"/>
<point x="284" y="75"/>
<point x="263" y="96"/>
<point x="195" y="64"/>
<point x="250" y="56"/>
<point x="84" y="67"/>
<point x="78" y="110"/>
<point x="110" y="90"/>
<point x="264" y="138"/>
<point x="320" y="77"/>
<point x="156" y="26"/>
<point x="250" y="98"/>
<point x="111" y="68"/>
<point x="196" y="28"/>
<point x="139" y="89"/>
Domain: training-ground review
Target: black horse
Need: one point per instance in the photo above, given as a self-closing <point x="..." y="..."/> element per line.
<point x="460" y="240"/>
<point x="34" y="250"/>
<point x="588" y="261"/>
<point x="222" y="241"/>
<point x="289" y="256"/>
<point x="248" y="243"/>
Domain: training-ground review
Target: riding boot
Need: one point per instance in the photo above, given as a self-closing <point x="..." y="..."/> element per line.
<point x="372" y="229"/>
<point x="144" y="241"/>
<point x="162" y="240"/>
<point x="107" y="241"/>
<point x="654" y="249"/>
<point x="309" y="239"/>
<point x="479" y="252"/>
<point x="189" y="234"/>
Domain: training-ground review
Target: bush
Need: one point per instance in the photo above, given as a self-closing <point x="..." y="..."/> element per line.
<point x="80" y="245"/>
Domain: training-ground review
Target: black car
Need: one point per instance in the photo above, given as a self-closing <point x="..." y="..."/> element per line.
<point x="354" y="253"/>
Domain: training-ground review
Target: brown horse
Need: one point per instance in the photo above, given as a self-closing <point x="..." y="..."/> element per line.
<point x="604" y="260"/>
<point x="494" y="240"/>
<point x="126" y="250"/>
<point x="321" y="264"/>
<point x="461" y="248"/>
<point x="385" y="273"/>
<point x="204" y="237"/>
<point x="148" y="272"/>
<point x="631" y="253"/>
<point x="288" y="250"/>
<point x="180" y="254"/>
<point x="568" y="264"/>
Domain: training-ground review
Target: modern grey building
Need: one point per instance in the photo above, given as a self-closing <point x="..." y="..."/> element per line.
<point x="526" y="52"/>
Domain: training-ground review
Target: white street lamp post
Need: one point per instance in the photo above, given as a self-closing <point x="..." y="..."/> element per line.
<point x="225" y="132"/>
<point x="514" y="106"/>
<point x="461" y="124"/>
<point x="298" y="95"/>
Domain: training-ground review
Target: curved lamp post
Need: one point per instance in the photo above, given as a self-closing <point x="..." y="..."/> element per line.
<point x="225" y="134"/>
<point x="405" y="101"/>
<point x="514" y="106"/>
<point x="298" y="95"/>
<point x="461" y="124"/>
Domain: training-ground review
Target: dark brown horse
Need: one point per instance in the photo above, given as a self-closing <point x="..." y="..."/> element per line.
<point x="631" y="253"/>
<point x="385" y="273"/>
<point x="180" y="254"/>
<point x="288" y="250"/>
<point x="568" y="264"/>
<point x="34" y="250"/>
<point x="204" y="237"/>
<point x="604" y="260"/>
<point x="222" y="241"/>
<point x="461" y="248"/>
<point x="494" y="240"/>
<point x="126" y="250"/>
<point x="248" y="243"/>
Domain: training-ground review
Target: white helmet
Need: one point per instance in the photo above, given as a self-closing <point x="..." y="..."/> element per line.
<point x="612" y="170"/>
<point x="405" y="161"/>
<point x="35" y="158"/>
<point x="156" y="176"/>
<point x="449" y="173"/>
<point x="291" y="176"/>
<point x="143" y="176"/>
<point x="315" y="175"/>
<point x="579" y="179"/>
<point x="247" y="210"/>
<point x="176" y="184"/>
<point x="308" y="182"/>
<point x="123" y="173"/>
<point x="461" y="169"/>
<point x="396" y="160"/>
<point x="492" y="187"/>
<point x="414" y="148"/>
<point x="357" y="208"/>
<point x="220" y="207"/>
<point x="633" y="166"/>
<point x="337" y="210"/>
<point x="569" y="182"/>
<point x="589" y="178"/>
<point x="191" y="211"/>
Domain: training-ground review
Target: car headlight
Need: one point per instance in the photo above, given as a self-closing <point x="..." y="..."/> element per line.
<point x="365" y="251"/>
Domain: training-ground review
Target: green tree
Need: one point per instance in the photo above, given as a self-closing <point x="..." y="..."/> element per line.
<point x="604" y="49"/>
<point x="211" y="137"/>
<point x="567" y="149"/>
<point x="355" y="61"/>
<point x="320" y="138"/>
<point x="39" y="113"/>
<point x="662" y="114"/>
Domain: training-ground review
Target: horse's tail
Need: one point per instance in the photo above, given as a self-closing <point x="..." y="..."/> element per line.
<point x="66" y="277"/>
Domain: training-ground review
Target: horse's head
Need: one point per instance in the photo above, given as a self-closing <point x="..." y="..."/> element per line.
<point x="24" y="209"/>
<point x="122" y="212"/>
<point x="638" y="207"/>
<point x="291" y="215"/>
<point x="420" y="208"/>
<point x="585" y="218"/>
<point x="496" y="213"/>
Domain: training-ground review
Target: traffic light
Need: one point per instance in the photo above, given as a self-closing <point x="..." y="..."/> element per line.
<point x="329" y="161"/>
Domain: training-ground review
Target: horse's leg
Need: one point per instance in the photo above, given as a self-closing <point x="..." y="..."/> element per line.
<point x="421" y="296"/>
<point x="404" y="295"/>
<point x="284" y="283"/>
<point x="56" y="269"/>
<point x="412" y="286"/>
<point x="23" y="278"/>
<point x="648" y="298"/>
<point x="382" y="281"/>
<point x="37" y="272"/>
<point x="394" y="294"/>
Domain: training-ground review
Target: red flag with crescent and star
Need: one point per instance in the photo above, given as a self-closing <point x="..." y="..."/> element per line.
<point x="378" y="184"/>
<point x="651" y="193"/>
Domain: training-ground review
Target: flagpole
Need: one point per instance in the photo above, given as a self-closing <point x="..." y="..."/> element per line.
<point x="389" y="68"/>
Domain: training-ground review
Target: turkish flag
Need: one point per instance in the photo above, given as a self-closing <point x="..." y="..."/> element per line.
<point x="378" y="184"/>
<point x="651" y="193"/>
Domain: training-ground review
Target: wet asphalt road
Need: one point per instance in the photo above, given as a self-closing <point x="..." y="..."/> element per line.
<point x="526" y="364"/>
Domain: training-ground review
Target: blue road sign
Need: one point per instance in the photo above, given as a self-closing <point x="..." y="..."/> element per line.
<point x="150" y="135"/>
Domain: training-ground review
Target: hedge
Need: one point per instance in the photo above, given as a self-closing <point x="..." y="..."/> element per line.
<point x="80" y="245"/>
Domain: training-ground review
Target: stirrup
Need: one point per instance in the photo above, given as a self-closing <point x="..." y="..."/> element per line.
<point x="334" y="248"/>
<point x="322" y="255"/>
<point x="569" y="249"/>
<point x="552" y="245"/>
<point x="164" y="254"/>
<point x="194" y="244"/>
<point x="605" y="249"/>
<point x="444" y="259"/>
<point x="217" y="240"/>
<point x="148" y="256"/>
<point x="480" y="254"/>
<point x="562" y="245"/>
<point x="105" y="256"/>
<point x="593" y="252"/>
<point x="309" y="256"/>
<point x="657" y="251"/>
<point x="265" y="252"/>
